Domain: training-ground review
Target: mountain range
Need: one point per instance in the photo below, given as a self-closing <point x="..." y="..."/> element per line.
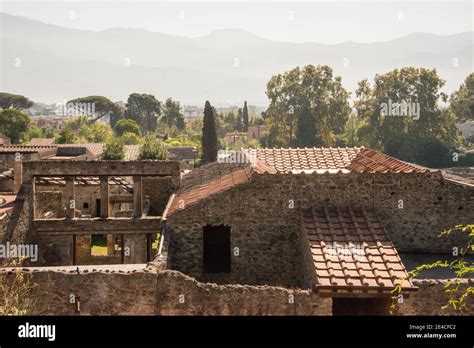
<point x="49" y="63"/>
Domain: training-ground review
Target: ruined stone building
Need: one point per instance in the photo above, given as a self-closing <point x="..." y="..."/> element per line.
<point x="291" y="231"/>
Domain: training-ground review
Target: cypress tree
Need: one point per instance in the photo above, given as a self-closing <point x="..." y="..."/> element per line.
<point x="239" y="126"/>
<point x="245" y="117"/>
<point x="209" y="135"/>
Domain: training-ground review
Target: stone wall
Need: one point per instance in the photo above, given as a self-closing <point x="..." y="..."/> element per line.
<point x="264" y="216"/>
<point x="148" y="292"/>
<point x="53" y="198"/>
<point x="431" y="297"/>
<point x="266" y="235"/>
<point x="157" y="192"/>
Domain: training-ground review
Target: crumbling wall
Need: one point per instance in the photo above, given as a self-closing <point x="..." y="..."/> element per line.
<point x="147" y="292"/>
<point x="431" y="297"/>
<point x="122" y="291"/>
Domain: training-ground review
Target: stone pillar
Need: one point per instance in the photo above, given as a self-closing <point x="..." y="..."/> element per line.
<point x="110" y="245"/>
<point x="137" y="197"/>
<point x="104" y="197"/>
<point x="70" y="198"/>
<point x="17" y="173"/>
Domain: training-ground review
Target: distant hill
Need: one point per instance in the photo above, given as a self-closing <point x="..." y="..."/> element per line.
<point x="59" y="63"/>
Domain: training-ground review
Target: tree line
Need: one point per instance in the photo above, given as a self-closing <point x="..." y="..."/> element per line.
<point x="402" y="113"/>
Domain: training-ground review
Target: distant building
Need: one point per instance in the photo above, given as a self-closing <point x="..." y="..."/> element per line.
<point x="256" y="132"/>
<point x="232" y="138"/>
<point x="466" y="129"/>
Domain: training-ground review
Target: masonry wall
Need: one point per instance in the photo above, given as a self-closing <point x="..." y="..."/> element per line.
<point x="264" y="216"/>
<point x="265" y="237"/>
<point x="52" y="198"/>
<point x="150" y="292"/>
<point x="431" y="297"/>
<point x="147" y="292"/>
<point x="157" y="190"/>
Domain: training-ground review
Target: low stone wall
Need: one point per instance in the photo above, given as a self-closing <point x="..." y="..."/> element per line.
<point x="431" y="297"/>
<point x="128" y="290"/>
<point x="151" y="292"/>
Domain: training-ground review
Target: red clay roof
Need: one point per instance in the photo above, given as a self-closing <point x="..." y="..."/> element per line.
<point x="185" y="199"/>
<point x="352" y="251"/>
<point x="318" y="159"/>
<point x="25" y="149"/>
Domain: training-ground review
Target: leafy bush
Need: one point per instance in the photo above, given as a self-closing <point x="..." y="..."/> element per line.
<point x="153" y="149"/>
<point x="114" y="150"/>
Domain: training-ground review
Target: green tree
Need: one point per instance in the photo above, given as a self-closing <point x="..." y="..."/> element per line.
<point x="145" y="109"/>
<point x="239" y="122"/>
<point x="131" y="139"/>
<point x="462" y="100"/>
<point x="209" y="135"/>
<point x="245" y="117"/>
<point x="127" y="126"/>
<point x="13" y="123"/>
<point x="153" y="149"/>
<point x="117" y="114"/>
<point x="32" y="132"/>
<point x="114" y="150"/>
<point x="400" y="113"/>
<point x="102" y="106"/>
<point x="172" y="114"/>
<point x="65" y="136"/>
<point x="14" y="101"/>
<point x="306" y="130"/>
<point x="79" y="129"/>
<point x="316" y="87"/>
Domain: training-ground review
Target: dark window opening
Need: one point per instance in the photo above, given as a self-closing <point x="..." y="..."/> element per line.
<point x="85" y="205"/>
<point x="216" y="256"/>
<point x="97" y="207"/>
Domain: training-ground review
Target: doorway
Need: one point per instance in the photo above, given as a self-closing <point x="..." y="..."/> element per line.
<point x="216" y="249"/>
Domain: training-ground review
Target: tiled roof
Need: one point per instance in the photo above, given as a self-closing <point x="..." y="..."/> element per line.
<point x="181" y="153"/>
<point x="187" y="198"/>
<point x="351" y="251"/>
<point x="25" y="149"/>
<point x="318" y="159"/>
<point x="96" y="149"/>
<point x="211" y="179"/>
<point x="41" y="141"/>
<point x="132" y="152"/>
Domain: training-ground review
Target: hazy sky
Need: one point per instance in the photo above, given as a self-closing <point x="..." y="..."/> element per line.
<point x="312" y="20"/>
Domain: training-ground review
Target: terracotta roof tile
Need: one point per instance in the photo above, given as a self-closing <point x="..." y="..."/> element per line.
<point x="349" y="159"/>
<point x="358" y="253"/>
<point x="184" y="199"/>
